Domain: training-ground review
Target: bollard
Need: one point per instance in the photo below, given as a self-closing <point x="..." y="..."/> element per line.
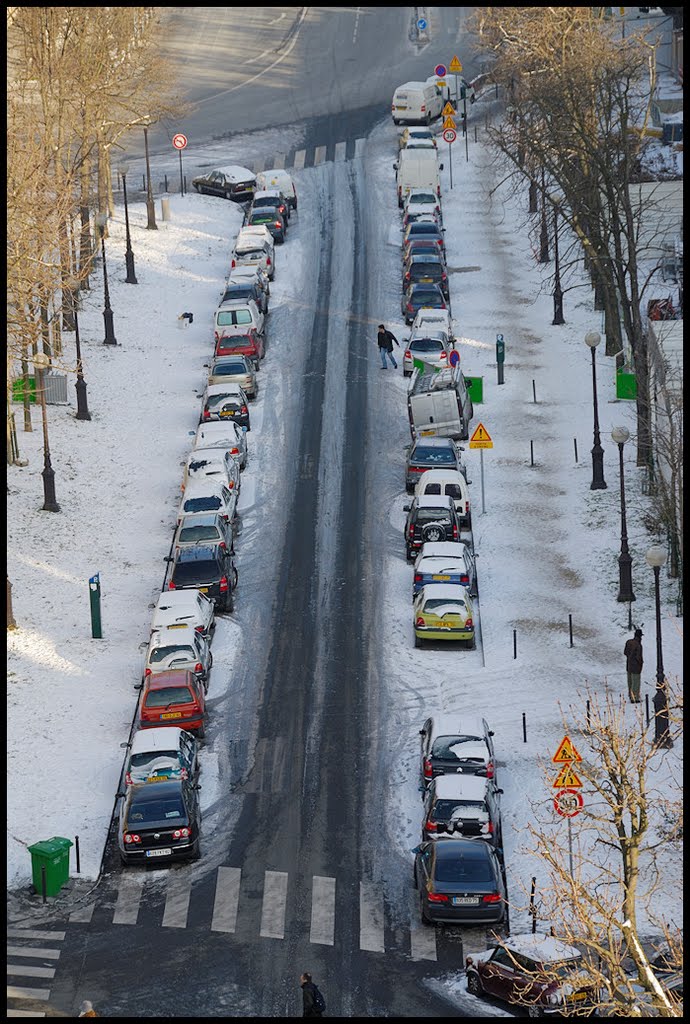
<point x="646" y="707"/>
<point x="514" y="644"/>
<point x="534" y="391"/>
<point x="475" y="133"/>
<point x="531" y="453"/>
<point x="76" y="848"/>
<point x="500" y="357"/>
<point x="165" y="209"/>
<point x="165" y="179"/>
<point x="524" y="727"/>
<point x="570" y="628"/>
<point x="44" y="884"/>
<point x="588" y="725"/>
<point x="95" y="601"/>
<point x="575" y="443"/>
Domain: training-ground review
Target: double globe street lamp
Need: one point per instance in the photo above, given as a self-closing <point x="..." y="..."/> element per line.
<point x="592" y="339"/>
<point x="129" y="255"/>
<point x="625" y="588"/>
<point x="41" y="361"/>
<point x="655" y="558"/>
<point x="83" y="413"/>
<point x="110" y="339"/>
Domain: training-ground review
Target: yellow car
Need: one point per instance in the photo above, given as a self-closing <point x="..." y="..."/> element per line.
<point x="414" y="134"/>
<point x="443" y="611"/>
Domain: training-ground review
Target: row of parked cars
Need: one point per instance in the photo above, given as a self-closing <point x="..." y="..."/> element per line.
<point x="160" y="815"/>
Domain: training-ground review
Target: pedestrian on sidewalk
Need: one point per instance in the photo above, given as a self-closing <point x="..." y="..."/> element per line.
<point x="313" y="1003"/>
<point x="87" y="1010"/>
<point x="385" y="341"/>
<point x="633" y="665"/>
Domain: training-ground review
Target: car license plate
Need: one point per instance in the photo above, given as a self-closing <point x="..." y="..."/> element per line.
<point x="401" y="108"/>
<point x="177" y="625"/>
<point x="425" y="280"/>
<point x="440" y="577"/>
<point x="446" y="625"/>
<point x="159" y="853"/>
<point x="465" y="901"/>
<point x="158" y="778"/>
<point x="171" y="714"/>
<point x="225" y="413"/>
<point x="203" y="590"/>
<point x="426" y="433"/>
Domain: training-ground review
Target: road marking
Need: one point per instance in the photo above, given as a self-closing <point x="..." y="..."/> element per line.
<point x="279" y="162"/>
<point x="319" y="155"/>
<point x="177" y="903"/>
<point x="128" y="898"/>
<point x="82" y="916"/>
<point x="29" y="971"/>
<point x="46" y="954"/>
<point x="300" y="157"/>
<point x="371" y="917"/>
<point x="25" y="1013"/>
<point x="359" y="148"/>
<point x="354" y="34"/>
<point x="422" y="938"/>
<point x="19" y="933"/>
<point x="273" y="909"/>
<point x="322" y="910"/>
<point x="17" y="992"/>
<point x="473" y="940"/>
<point x="279" y="765"/>
<point x="227" y="900"/>
<point x="340" y="148"/>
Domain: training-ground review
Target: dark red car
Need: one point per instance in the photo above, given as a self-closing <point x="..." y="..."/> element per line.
<point x="176" y="698"/>
<point x="250" y="344"/>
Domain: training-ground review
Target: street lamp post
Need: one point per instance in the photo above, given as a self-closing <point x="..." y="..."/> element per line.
<point x="82" y="402"/>
<point x="557" y="290"/>
<point x="110" y="339"/>
<point x="129" y="255"/>
<point x="42" y="362"/>
<point x="544" y="232"/>
<point x="150" y="206"/>
<point x="625" y="588"/>
<point x="592" y="339"/>
<point x="655" y="558"/>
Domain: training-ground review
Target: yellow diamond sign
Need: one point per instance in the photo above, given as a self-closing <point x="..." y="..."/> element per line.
<point x="448" y="110"/>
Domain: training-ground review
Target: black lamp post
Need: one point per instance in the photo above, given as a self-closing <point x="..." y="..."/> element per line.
<point x="557" y="290"/>
<point x="544" y="233"/>
<point x="129" y="255"/>
<point x="592" y="339"/>
<point x="655" y="558"/>
<point x="625" y="588"/>
<point x="42" y="362"/>
<point x="150" y="206"/>
<point x="110" y="339"/>
<point x="82" y="403"/>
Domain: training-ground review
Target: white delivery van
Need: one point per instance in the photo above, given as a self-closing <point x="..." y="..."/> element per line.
<point x="417" y="170"/>
<point x="439" y="405"/>
<point x="416" y="103"/>
<point x="281" y="180"/>
<point x="455" y="84"/>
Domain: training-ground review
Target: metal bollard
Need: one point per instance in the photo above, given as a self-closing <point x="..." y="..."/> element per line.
<point x="570" y="628"/>
<point x="524" y="727"/>
<point x="165" y="209"/>
<point x="531" y="453"/>
<point x="44" y="884"/>
<point x="514" y="644"/>
<point x="76" y="850"/>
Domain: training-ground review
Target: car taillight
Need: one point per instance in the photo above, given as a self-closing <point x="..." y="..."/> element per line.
<point x="408" y="354"/>
<point x="148" y="672"/>
<point x="181" y="833"/>
<point x="231" y="485"/>
<point x="216" y="336"/>
<point x="132" y="837"/>
<point x="407" y="276"/>
<point x="223" y="546"/>
<point x="439" y="241"/>
<point x="244" y="410"/>
<point x="277" y="224"/>
<point x="171" y="585"/>
<point x="419" y="621"/>
<point x="489" y="826"/>
<point x="198" y="667"/>
<point x="128" y="779"/>
<point x="492" y="897"/>
<point x="206" y="415"/>
<point x="443" y="355"/>
<point x="427" y="769"/>
<point x="490" y="769"/>
<point x="198" y="629"/>
<point x="469" y="624"/>
<point x="464" y="579"/>
<point x="438" y="191"/>
<point x="443" y="277"/>
<point x="223" y="584"/>
<point x="430" y="826"/>
<point x="184" y="774"/>
<point x="418" y="577"/>
<point x="438" y="209"/>
<point x="234" y="451"/>
<point x="455" y="532"/>
<point x="423" y="108"/>
<point x="233" y="264"/>
<point x="410" y="306"/>
<point x="437" y="897"/>
<point x="268" y="261"/>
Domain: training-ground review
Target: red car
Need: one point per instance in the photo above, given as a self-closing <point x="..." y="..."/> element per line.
<point x="173" y="698"/>
<point x="250" y="344"/>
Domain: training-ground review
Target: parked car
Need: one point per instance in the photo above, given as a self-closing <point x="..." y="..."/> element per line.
<point x="278" y="179"/>
<point x="420" y="247"/>
<point x="210" y="569"/>
<point x="237" y="369"/>
<point x="443" y="611"/>
<point x="161" y="821"/>
<point x="233" y="182"/>
<point x="432" y="347"/>
<point x="452" y="483"/>
<point x="204" y="528"/>
<point x="254" y="252"/>
<point x="157" y="754"/>
<point x="430" y="519"/>
<point x="225" y="402"/>
<point x="431" y="453"/>
<point x="240" y="290"/>
<point x="223" y="434"/>
<point x="466" y="806"/>
<point x="413" y="133"/>
<point x="272" y="218"/>
<point x="238" y="316"/>
<point x="179" y="647"/>
<point x="456" y="744"/>
<point x="213" y="463"/>
<point x="459" y="882"/>
<point x="186" y="607"/>
<point x="418" y="296"/>
<point x="173" y="698"/>
<point x="425" y="196"/>
<point x="427" y="229"/>
<point x="254" y="233"/>
<point x="421" y="211"/>
<point x="272" y="197"/>
<point x="204" y="496"/>
<point x="254" y="273"/>
<point x="423" y="268"/>
<point x="538" y="972"/>
<point x="445" y="562"/>
<point x="434" y="319"/>
<point x="242" y="343"/>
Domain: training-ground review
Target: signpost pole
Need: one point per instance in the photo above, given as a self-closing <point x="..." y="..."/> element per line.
<point x="181" y="178"/>
<point x="481" y="470"/>
<point x="570" y="847"/>
<point x="464" y="124"/>
<point x="450" y="162"/>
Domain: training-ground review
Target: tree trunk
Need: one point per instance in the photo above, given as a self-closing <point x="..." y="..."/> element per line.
<point x="11" y="624"/>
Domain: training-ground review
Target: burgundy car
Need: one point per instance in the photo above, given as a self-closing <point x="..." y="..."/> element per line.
<point x="250" y="344"/>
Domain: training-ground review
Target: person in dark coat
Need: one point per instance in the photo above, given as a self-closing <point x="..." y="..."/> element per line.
<point x="633" y="665"/>
<point x="308" y="997"/>
<point x="385" y="341"/>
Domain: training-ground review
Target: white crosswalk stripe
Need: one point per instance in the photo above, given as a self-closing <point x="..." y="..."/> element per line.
<point x="279" y="161"/>
<point x="29" y="971"/>
<point x="177" y="902"/>
<point x="322" y="911"/>
<point x="300" y="157"/>
<point x="340" y="149"/>
<point x="359" y="148"/>
<point x="83" y="915"/>
<point x="422" y="939"/>
<point x="227" y="900"/>
<point x="24" y="1013"/>
<point x="319" y="155"/>
<point x="273" y="908"/>
<point x="43" y="970"/>
<point x="130" y="888"/>
<point x="371" y="917"/>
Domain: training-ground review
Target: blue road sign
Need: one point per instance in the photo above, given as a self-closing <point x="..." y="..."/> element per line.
<point x="440" y="71"/>
<point x="454" y="358"/>
<point x="421" y="24"/>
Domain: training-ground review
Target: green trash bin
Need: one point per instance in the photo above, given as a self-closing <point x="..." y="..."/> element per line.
<point x="54" y="854"/>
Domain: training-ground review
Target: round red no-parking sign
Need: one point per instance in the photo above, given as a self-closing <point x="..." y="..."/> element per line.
<point x="179" y="141"/>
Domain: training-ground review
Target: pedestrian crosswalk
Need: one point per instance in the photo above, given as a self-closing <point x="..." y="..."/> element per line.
<point x="172" y="899"/>
<point x="297" y="160"/>
<point x="32" y="956"/>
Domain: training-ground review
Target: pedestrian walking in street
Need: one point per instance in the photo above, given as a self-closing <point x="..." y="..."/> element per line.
<point x="633" y="665"/>
<point x="313" y="1002"/>
<point x="87" y="1010"/>
<point x="385" y="341"/>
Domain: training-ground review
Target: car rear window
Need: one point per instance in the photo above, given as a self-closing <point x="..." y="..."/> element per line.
<point x="449" y="748"/>
<point x="423" y="228"/>
<point x="436" y="456"/>
<point x="141" y="760"/>
<point x="265" y="217"/>
<point x="255" y="253"/>
<point x="207" y="503"/>
<point x="239" y="291"/>
<point x="426" y="345"/>
<point x="452" y="606"/>
<point x="191" y="534"/>
<point x="159" y="654"/>
<point x="197" y="571"/>
<point x="230" y="317"/>
<point x="443" y="809"/>
<point x="145" y="813"/>
<point x="428" y="298"/>
<point x="422" y="197"/>
<point x="427" y="269"/>
<point x="467" y="866"/>
<point x="228" y="369"/>
<point x="219" y="402"/>
<point x="453" y="491"/>
<point x="235" y="341"/>
<point x="169" y="695"/>
<point x="433" y="515"/>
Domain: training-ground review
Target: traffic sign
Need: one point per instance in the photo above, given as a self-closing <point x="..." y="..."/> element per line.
<point x="455" y="65"/>
<point x="481" y="438"/>
<point x="566" y="752"/>
<point x="421" y="24"/>
<point x="448" y="122"/>
<point x="454" y="357"/>
<point x="179" y="141"/>
<point x="441" y="83"/>
<point x="568" y="803"/>
<point x="440" y="71"/>
<point x="567" y="778"/>
<point x="450" y="135"/>
<point x="448" y="110"/>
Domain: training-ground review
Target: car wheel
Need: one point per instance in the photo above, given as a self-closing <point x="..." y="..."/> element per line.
<point x="229" y="604"/>
<point x="407" y="373"/>
<point x="472" y="644"/>
<point x="408" y="554"/>
<point x="422" y="912"/>
<point x="198" y="189"/>
<point x="235" y="578"/>
<point x="409" y="488"/>
<point x="474" y="985"/>
<point x="418" y="642"/>
<point x="201" y="731"/>
<point x="196" y="850"/>
<point x="210" y="663"/>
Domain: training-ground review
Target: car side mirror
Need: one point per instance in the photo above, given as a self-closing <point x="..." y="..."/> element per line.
<point x="120" y="794"/>
<point x="499" y="791"/>
<point x="468" y="481"/>
<point x="406" y="508"/>
<point x="167" y="558"/>
<point x="123" y="745"/>
<point x="440" y="167"/>
<point x="137" y="686"/>
<point x="491" y="732"/>
<point x="422" y="732"/>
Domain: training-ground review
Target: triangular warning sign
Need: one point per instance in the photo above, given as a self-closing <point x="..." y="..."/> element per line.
<point x="567" y="779"/>
<point x="566" y="752"/>
<point x="448" y="122"/>
<point x="448" y="110"/>
<point x="455" y="65"/>
<point x="481" y="433"/>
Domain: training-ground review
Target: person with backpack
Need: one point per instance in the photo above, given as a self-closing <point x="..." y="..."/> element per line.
<point x="312" y="1001"/>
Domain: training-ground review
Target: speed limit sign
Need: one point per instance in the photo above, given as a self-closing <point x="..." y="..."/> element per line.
<point x="449" y="135"/>
<point x="179" y="141"/>
<point x="568" y="802"/>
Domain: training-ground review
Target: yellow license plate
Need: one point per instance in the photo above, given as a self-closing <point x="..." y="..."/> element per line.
<point x="401" y="108"/>
<point x="227" y="412"/>
<point x="426" y="433"/>
<point x="425" y="280"/>
<point x="203" y="590"/>
<point x="448" y="625"/>
<point x="171" y="714"/>
<point x="440" y="577"/>
<point x="177" y="625"/>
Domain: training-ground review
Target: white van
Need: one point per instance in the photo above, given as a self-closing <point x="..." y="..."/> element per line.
<point x="417" y="170"/>
<point x="439" y="404"/>
<point x="454" y="88"/>
<point x="416" y="103"/>
<point x="281" y="180"/>
<point x="451" y="483"/>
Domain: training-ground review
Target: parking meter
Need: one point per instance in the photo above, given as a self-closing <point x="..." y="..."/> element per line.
<point x="500" y="356"/>
<point x="95" y="600"/>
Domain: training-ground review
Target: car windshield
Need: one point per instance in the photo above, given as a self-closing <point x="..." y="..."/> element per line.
<point x="238" y="291"/>
<point x="434" y="456"/>
<point x="422" y="197"/>
<point x="251" y="254"/>
<point x="206" y="503"/>
<point x="433" y="515"/>
<point x="426" y="345"/>
<point x="227" y="369"/>
<point x="228" y="317"/>
<point x="450" y="607"/>
<point x="564" y="969"/>
<point x="450" y="747"/>
<point x="467" y="866"/>
<point x="168" y="695"/>
<point x="428" y="298"/>
<point x="149" y="811"/>
<point x="192" y="534"/>
<point x="264" y="217"/>
<point x="234" y="341"/>
<point x="423" y="228"/>
<point x="142" y="760"/>
<point x="159" y="654"/>
<point x="445" y="809"/>
<point x="218" y="402"/>
<point x="427" y="269"/>
<point x="190" y="572"/>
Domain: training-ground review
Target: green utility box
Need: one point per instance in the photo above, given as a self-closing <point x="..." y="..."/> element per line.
<point x="475" y="389"/>
<point x="54" y="854"/>
<point x="18" y="389"/>
<point x="626" y="385"/>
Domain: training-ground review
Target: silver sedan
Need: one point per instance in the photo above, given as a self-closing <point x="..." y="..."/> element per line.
<point x="235" y="369"/>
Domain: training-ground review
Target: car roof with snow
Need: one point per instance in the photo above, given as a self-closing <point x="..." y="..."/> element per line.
<point x="434" y="501"/>
<point x="459" y="787"/>
<point x="216" y="432"/>
<point x="543" y="948"/>
<point x="236" y="172"/>
<point x="430" y="476"/>
<point x="443" y="549"/>
<point x="150" y="740"/>
<point x="214" y="390"/>
<point x="457" y="725"/>
<point x="450" y="591"/>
